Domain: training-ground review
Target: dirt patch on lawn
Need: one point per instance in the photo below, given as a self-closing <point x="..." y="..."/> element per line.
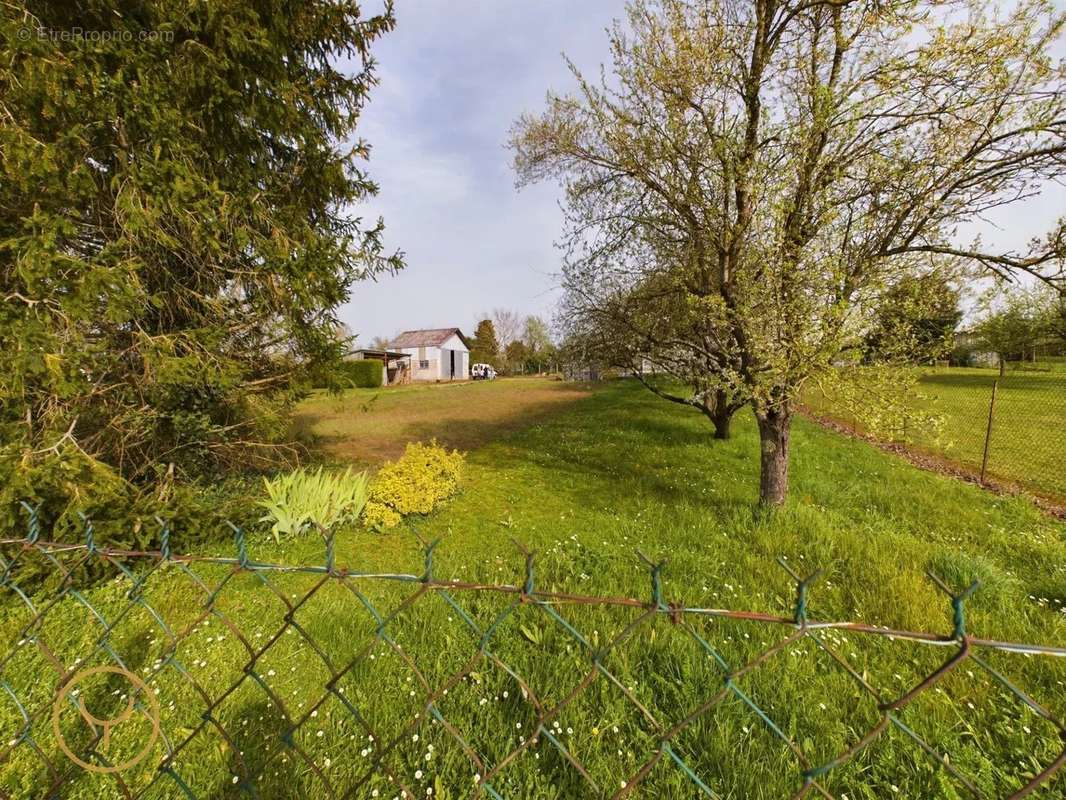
<point x="369" y="427"/>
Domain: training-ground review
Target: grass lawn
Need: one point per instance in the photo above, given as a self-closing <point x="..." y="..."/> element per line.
<point x="587" y="485"/>
<point x="1028" y="444"/>
<point x="369" y="426"/>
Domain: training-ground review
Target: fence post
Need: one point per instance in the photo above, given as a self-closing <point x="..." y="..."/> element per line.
<point x="988" y="430"/>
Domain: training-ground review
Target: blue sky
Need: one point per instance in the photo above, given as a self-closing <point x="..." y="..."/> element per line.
<point x="455" y="74"/>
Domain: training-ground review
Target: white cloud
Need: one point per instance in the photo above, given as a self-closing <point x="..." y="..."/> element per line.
<point x="453" y="78"/>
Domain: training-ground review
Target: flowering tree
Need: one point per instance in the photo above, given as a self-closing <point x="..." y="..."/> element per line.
<point x="651" y="332"/>
<point x="793" y="158"/>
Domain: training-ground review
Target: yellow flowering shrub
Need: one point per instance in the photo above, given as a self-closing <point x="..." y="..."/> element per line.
<point x="420" y="480"/>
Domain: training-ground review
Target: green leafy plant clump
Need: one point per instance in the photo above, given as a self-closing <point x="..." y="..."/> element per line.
<point x="416" y="483"/>
<point x="304" y="498"/>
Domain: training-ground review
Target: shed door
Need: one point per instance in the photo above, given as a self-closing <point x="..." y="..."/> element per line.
<point x="452" y="373"/>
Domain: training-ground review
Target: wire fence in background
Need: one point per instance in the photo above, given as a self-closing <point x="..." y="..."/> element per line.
<point x="1007" y="428"/>
<point x="273" y="681"/>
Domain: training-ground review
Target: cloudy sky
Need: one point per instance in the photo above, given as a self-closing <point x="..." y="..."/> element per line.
<point x="455" y="74"/>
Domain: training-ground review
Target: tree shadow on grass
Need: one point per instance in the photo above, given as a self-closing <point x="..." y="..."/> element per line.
<point x="263" y="761"/>
<point x="635" y="441"/>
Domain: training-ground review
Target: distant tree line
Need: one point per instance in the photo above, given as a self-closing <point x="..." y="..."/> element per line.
<point x="512" y="344"/>
<point x="1017" y="324"/>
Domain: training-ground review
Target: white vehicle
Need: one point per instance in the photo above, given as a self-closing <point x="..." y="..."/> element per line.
<point x="482" y="372"/>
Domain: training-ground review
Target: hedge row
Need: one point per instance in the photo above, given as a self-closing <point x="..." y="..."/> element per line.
<point x="365" y="374"/>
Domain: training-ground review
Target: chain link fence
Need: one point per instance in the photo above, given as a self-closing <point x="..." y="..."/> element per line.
<point x="159" y="675"/>
<point x="1007" y="428"/>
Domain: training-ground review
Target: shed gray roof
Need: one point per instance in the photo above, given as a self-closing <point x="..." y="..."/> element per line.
<point x="375" y="352"/>
<point x="428" y="337"/>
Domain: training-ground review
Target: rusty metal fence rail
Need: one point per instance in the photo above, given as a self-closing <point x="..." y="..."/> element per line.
<point x="157" y="674"/>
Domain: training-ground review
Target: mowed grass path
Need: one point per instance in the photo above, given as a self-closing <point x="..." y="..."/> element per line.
<point x="1028" y="442"/>
<point x="586" y="487"/>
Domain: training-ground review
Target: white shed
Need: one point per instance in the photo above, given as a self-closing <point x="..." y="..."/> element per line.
<point x="437" y="354"/>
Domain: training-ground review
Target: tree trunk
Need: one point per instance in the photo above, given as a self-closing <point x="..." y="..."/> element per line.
<point x="1002" y="365"/>
<point x="774" y="428"/>
<point x="722" y="419"/>
<point x="723" y="415"/>
<point x="720" y="412"/>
